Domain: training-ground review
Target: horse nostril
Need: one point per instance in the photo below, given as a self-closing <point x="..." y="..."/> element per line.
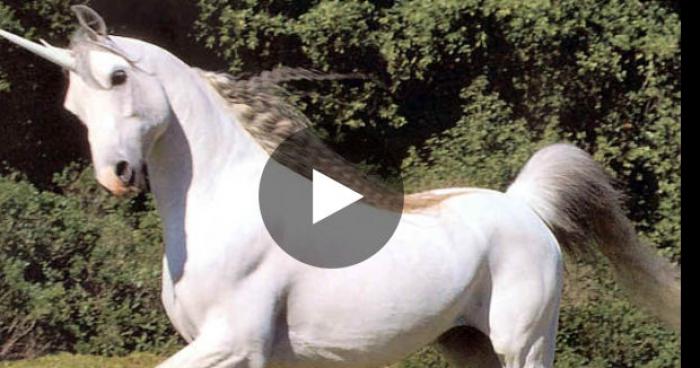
<point x="124" y="172"/>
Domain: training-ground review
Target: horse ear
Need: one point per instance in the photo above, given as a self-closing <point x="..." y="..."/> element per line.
<point x="90" y="21"/>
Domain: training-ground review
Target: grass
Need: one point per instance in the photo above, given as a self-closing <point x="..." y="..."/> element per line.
<point x="135" y="360"/>
<point x="65" y="360"/>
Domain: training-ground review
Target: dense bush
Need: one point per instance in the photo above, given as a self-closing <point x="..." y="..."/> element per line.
<point x="79" y="272"/>
<point x="461" y="92"/>
<point x="605" y="75"/>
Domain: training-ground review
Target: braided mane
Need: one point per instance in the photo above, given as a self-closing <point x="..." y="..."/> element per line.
<point x="260" y="106"/>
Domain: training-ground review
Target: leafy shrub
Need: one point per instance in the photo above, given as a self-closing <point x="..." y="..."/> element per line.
<point x="80" y="271"/>
<point x="487" y="125"/>
<point x="604" y="75"/>
<point x="598" y="327"/>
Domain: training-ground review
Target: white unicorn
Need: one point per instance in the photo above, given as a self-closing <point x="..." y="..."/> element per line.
<point x="477" y="272"/>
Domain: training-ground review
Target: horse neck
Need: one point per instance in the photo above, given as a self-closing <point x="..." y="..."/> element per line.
<point x="203" y="145"/>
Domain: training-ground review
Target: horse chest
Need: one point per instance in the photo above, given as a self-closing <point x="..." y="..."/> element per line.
<point x="203" y="274"/>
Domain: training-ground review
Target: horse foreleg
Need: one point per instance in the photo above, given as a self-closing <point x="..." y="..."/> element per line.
<point x="241" y="340"/>
<point x="210" y="351"/>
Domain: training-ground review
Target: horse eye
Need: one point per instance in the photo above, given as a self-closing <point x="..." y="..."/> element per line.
<point x="118" y="77"/>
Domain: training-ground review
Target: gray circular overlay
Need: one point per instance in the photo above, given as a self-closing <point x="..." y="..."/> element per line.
<point x="346" y="237"/>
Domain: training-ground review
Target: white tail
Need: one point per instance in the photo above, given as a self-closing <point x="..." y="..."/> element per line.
<point x="575" y="197"/>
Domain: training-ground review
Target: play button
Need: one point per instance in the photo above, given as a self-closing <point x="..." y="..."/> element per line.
<point x="322" y="210"/>
<point x="329" y="196"/>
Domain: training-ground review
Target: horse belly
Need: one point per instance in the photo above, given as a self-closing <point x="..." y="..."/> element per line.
<point x="384" y="309"/>
<point x="359" y="348"/>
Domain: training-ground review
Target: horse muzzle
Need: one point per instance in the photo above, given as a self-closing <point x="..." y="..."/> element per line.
<point x="122" y="179"/>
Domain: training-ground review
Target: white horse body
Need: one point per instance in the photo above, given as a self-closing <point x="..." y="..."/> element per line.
<point x="481" y="258"/>
<point x="482" y="252"/>
<point x="454" y="264"/>
<point x="373" y="313"/>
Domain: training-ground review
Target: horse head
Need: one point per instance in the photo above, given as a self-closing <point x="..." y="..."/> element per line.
<point x="124" y="106"/>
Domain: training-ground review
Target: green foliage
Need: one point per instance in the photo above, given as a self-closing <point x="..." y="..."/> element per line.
<point x="613" y="333"/>
<point x="79" y="272"/>
<point x="604" y="75"/>
<point x="598" y="327"/>
<point x="424" y="358"/>
<point x="487" y="125"/>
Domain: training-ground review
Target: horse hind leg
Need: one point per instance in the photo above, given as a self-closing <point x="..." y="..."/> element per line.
<point x="517" y="335"/>
<point x="467" y="347"/>
<point x="522" y="342"/>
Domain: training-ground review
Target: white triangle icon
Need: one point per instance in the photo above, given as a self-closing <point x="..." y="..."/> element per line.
<point x="329" y="196"/>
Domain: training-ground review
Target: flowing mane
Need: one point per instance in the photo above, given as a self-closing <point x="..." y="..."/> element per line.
<point x="260" y="106"/>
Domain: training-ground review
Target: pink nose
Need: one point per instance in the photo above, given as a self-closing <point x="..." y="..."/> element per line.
<point x="110" y="180"/>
